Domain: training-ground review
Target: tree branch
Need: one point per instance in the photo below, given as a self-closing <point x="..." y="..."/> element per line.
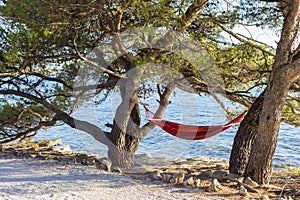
<point x="120" y="49"/>
<point x="293" y="109"/>
<point x="239" y="37"/>
<point x="293" y="70"/>
<point x="89" y="128"/>
<point x="25" y="133"/>
<point x="95" y="64"/>
<point x="221" y="103"/>
<point x="191" y="13"/>
<point x="288" y="35"/>
<point x="293" y="98"/>
<point x="24" y="110"/>
<point x="164" y="102"/>
<point x="119" y="16"/>
<point x="49" y="79"/>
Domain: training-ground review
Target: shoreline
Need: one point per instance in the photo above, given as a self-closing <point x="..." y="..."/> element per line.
<point x="54" y="149"/>
<point x="26" y="171"/>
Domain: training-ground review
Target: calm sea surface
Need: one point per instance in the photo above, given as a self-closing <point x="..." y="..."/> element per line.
<point x="185" y="108"/>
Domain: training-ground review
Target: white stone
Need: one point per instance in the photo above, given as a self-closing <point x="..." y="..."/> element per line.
<point x="215" y="186"/>
<point x="250" y="182"/>
<point x="64" y="149"/>
<point x="243" y="191"/>
<point x="189" y="181"/>
<point x="198" y="183"/>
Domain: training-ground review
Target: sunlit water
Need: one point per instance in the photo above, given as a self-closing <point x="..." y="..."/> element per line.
<point x="185" y="108"/>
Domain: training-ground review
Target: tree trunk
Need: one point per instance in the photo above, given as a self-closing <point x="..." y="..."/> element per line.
<point x="260" y="161"/>
<point x="121" y="154"/>
<point x="120" y="157"/>
<point x="126" y="119"/>
<point x="133" y="127"/>
<point x="259" y="164"/>
<point x="245" y="137"/>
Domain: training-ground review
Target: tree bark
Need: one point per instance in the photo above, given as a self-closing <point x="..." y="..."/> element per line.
<point x="131" y="138"/>
<point x="245" y="137"/>
<point x="120" y="157"/>
<point x="261" y="147"/>
<point x="260" y="162"/>
<point x="126" y="119"/>
<point x="122" y="152"/>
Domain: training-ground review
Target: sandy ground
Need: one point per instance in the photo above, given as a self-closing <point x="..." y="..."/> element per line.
<point x="36" y="179"/>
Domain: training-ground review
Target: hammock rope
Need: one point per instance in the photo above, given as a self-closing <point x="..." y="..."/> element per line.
<point x="190" y="132"/>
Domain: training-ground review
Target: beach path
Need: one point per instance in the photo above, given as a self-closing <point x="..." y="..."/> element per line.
<point x="23" y="179"/>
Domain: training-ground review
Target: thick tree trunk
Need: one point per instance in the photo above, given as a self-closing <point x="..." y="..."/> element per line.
<point x="260" y="162"/>
<point x="120" y="157"/>
<point x="125" y="144"/>
<point x="126" y="121"/>
<point x="121" y="153"/>
<point x="131" y="138"/>
<point x="245" y="137"/>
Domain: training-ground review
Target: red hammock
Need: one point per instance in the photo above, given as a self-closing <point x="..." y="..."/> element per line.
<point x="190" y="132"/>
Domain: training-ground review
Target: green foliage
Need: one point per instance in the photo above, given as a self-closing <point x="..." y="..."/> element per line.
<point x="22" y="115"/>
<point x="294" y="170"/>
<point x="8" y="113"/>
<point x="243" y="66"/>
<point x="291" y="110"/>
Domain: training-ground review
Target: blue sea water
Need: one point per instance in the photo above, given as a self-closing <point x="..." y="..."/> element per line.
<point x="184" y="108"/>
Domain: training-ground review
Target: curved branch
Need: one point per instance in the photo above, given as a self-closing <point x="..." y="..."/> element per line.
<point x="24" y="110"/>
<point x="25" y="133"/>
<point x="49" y="79"/>
<point x="293" y="70"/>
<point x="238" y="37"/>
<point x="95" y="64"/>
<point x="164" y="102"/>
<point x="293" y="98"/>
<point x="191" y="13"/>
<point x="293" y="109"/>
<point x="120" y="49"/>
<point x="89" y="128"/>
<point x="221" y="103"/>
